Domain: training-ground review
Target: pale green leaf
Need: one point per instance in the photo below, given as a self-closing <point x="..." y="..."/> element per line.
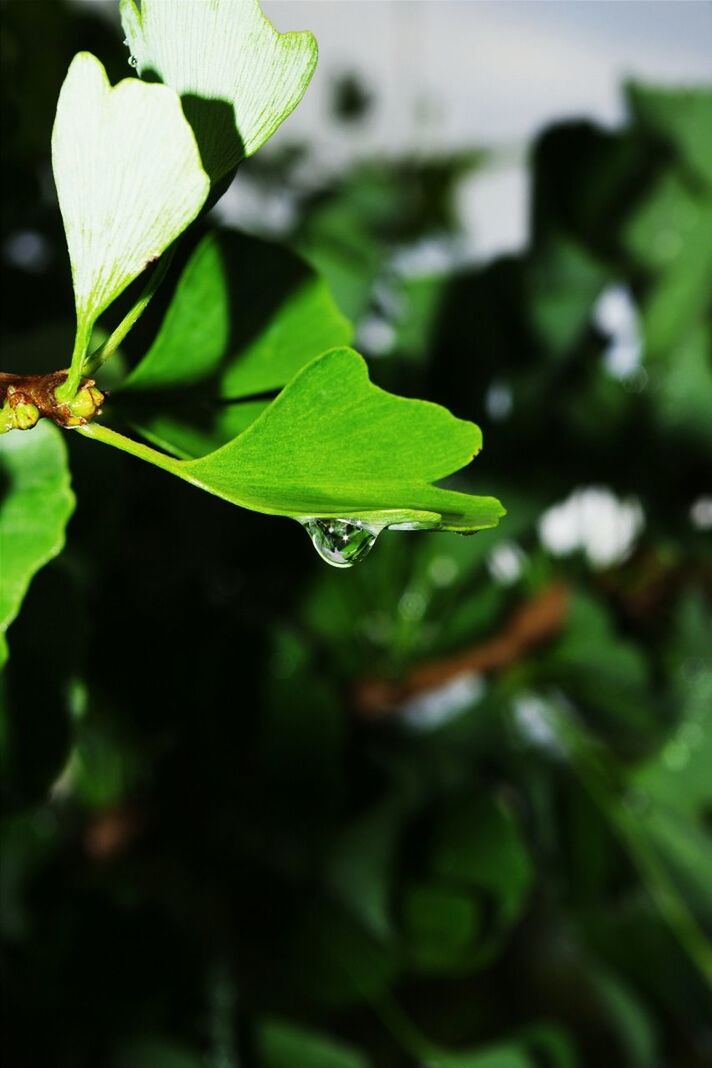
<point x="129" y="181"/>
<point x="37" y="501"/>
<point x="238" y="77"/>
<point x="333" y="444"/>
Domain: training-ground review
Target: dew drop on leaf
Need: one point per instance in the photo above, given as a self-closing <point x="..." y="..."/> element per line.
<point x="133" y="62"/>
<point x="341" y="542"/>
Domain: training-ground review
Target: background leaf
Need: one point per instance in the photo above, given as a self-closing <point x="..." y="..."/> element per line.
<point x="282" y="1045"/>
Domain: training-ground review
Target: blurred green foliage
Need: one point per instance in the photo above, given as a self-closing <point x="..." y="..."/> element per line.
<point x="261" y="813"/>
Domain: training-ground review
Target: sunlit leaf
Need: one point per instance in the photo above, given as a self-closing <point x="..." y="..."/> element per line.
<point x="238" y="77"/>
<point x="333" y="444"/>
<point x="128" y="177"/>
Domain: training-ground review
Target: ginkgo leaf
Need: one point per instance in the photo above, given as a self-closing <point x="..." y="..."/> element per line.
<point x="246" y="314"/>
<point x="129" y="181"/>
<point x="334" y="445"/>
<point x="36" y="504"/>
<point x="238" y="77"/>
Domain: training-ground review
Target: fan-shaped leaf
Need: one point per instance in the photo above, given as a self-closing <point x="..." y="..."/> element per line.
<point x="129" y="181"/>
<point x="333" y="444"/>
<point x="238" y="77"/>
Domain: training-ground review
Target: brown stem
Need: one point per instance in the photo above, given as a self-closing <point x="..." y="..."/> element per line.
<point x="531" y="624"/>
<point x="17" y="392"/>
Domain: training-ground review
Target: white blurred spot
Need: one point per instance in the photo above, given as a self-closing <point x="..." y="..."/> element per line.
<point x="505" y="563"/>
<point x="28" y="250"/>
<point x="593" y="520"/>
<point x="247" y="205"/>
<point x="531" y="717"/>
<point x="615" y="315"/>
<point x="376" y="335"/>
<point x="431" y="256"/>
<point x="701" y="513"/>
<point x="434" y="708"/>
<point x="494" y="210"/>
<point x="498" y="400"/>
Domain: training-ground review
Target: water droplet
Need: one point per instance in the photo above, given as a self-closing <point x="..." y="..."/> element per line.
<point x="341" y="542"/>
<point x="414" y="525"/>
<point x="133" y="62"/>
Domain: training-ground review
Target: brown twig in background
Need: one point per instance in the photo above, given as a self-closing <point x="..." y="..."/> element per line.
<point x="532" y="624"/>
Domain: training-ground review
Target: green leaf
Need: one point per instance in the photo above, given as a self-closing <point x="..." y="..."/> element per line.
<point x="683" y="117"/>
<point x="129" y="181"/>
<point x="677" y="778"/>
<point x="506" y="1055"/>
<point x="282" y="1045"/>
<point x="600" y="669"/>
<point x="634" y="1027"/>
<point x="564" y="280"/>
<point x="333" y="444"/>
<point x="238" y="77"/>
<point x="682" y="393"/>
<point x="37" y="502"/>
<point x="360" y="869"/>
<point x="346" y="963"/>
<point x="671" y="236"/>
<point x="247" y="312"/>
<point x="442" y="926"/>
<point x="480" y="845"/>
